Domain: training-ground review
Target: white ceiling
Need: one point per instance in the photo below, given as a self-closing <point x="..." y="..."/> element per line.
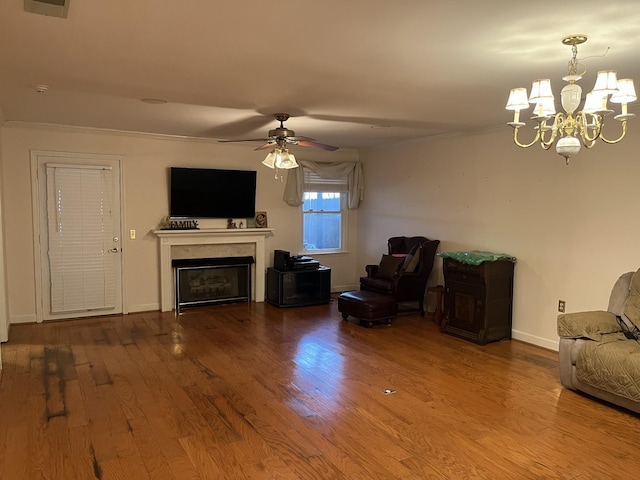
<point x="352" y="73"/>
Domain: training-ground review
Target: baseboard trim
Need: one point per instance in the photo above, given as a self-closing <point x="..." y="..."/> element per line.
<point x="145" y="307"/>
<point x="535" y="340"/>
<point x="27" y="318"/>
<point x="344" y="288"/>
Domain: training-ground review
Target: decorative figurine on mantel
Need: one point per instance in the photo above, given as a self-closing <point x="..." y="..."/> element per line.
<point x="165" y="223"/>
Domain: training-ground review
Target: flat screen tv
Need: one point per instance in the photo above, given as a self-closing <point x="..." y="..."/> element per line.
<point x="212" y="193"/>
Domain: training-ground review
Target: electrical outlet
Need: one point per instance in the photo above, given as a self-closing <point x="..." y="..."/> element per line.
<point x="132" y="234"/>
<point x="561" y="306"/>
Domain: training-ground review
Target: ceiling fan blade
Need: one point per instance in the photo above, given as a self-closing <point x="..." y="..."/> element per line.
<point x="266" y="145"/>
<point x="309" y="143"/>
<point x="239" y="128"/>
<point x="297" y="138"/>
<point x="245" y="140"/>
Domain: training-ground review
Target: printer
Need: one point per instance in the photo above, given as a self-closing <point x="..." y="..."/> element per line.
<point x="285" y="262"/>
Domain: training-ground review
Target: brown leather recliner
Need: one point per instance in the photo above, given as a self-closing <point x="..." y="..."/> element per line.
<point x="408" y="282"/>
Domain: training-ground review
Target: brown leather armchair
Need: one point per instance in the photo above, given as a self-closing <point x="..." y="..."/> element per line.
<point x="408" y="281"/>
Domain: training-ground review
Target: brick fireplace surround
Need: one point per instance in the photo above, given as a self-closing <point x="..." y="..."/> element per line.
<point x="211" y="242"/>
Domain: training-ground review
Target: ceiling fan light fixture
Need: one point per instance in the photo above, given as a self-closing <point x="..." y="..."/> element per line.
<point x="291" y="161"/>
<point x="280" y="138"/>
<point x="285" y="160"/>
<point x="270" y="159"/>
<point x="281" y="159"/>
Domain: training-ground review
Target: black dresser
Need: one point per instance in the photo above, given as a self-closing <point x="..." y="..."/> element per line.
<point x="478" y="298"/>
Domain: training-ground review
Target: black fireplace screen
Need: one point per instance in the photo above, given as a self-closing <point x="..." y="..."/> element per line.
<point x="207" y="281"/>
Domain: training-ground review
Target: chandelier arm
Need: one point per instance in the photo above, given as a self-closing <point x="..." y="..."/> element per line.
<point x="585" y="128"/>
<point x="546" y="144"/>
<point x="589" y="144"/>
<point x="543" y="127"/>
<point x="584" y="134"/>
<point x="524" y="145"/>
<point x="624" y="132"/>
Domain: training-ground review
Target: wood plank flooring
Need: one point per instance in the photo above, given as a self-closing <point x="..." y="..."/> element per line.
<point x="250" y="391"/>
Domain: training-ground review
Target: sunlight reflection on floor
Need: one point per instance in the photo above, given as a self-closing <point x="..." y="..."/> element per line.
<point x="319" y="367"/>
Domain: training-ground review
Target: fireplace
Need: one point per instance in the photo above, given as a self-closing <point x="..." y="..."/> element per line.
<point x="209" y="281"/>
<point x="225" y="242"/>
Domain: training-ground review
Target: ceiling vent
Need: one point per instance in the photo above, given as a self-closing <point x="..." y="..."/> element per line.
<point x="51" y="8"/>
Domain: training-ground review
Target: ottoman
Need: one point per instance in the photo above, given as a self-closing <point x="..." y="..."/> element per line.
<point x="368" y="307"/>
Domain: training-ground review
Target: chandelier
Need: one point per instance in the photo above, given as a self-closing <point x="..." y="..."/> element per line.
<point x="572" y="128"/>
<point x="280" y="158"/>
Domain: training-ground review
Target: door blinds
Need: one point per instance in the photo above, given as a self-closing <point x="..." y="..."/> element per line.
<point x="80" y="234"/>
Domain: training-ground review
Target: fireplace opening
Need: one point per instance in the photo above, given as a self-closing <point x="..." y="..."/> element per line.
<point x="210" y="281"/>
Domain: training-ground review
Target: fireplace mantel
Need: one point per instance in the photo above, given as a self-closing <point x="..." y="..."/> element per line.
<point x="210" y="236"/>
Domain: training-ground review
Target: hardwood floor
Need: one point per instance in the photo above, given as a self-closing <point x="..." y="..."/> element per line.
<point x="252" y="391"/>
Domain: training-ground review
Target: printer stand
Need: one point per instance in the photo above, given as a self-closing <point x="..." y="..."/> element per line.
<point x="298" y="288"/>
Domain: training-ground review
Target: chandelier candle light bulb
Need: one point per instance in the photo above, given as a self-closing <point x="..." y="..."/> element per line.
<point x="572" y="128"/>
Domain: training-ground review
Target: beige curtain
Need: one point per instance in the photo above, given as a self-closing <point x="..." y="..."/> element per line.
<point x="352" y="170"/>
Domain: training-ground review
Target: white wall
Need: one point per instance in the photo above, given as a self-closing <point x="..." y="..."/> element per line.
<point x="574" y="229"/>
<point x="146" y="159"/>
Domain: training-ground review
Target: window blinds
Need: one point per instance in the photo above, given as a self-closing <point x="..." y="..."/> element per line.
<point x="313" y="182"/>
<point x="80" y="234"/>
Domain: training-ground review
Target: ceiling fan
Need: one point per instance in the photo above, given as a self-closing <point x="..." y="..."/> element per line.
<point x="282" y="136"/>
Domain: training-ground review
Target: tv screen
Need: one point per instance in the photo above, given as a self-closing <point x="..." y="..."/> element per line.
<point x="212" y="193"/>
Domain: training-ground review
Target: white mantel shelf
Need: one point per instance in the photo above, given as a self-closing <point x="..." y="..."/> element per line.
<point x="209" y="236"/>
<point x="218" y="232"/>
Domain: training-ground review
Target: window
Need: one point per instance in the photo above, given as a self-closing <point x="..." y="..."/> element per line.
<point x="323" y="214"/>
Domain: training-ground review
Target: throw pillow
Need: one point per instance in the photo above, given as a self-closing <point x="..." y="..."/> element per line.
<point x="389" y="265"/>
<point x="411" y="260"/>
<point x="587" y="324"/>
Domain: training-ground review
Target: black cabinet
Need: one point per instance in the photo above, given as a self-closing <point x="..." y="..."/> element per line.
<point x="298" y="287"/>
<point x="478" y="300"/>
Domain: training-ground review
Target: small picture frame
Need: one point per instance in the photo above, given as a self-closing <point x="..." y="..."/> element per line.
<point x="261" y="220"/>
<point x="251" y="222"/>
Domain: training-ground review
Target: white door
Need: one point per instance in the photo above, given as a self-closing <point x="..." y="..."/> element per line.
<point x="79" y="231"/>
